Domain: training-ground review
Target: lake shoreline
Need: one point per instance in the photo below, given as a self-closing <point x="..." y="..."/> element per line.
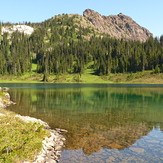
<point x="51" y="144"/>
<point x="100" y="118"/>
<point x="145" y="77"/>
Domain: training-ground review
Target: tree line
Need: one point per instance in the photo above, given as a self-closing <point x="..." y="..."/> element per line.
<point x="61" y="45"/>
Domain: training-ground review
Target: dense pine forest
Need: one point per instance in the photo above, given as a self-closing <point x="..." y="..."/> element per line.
<point x="61" y="45"/>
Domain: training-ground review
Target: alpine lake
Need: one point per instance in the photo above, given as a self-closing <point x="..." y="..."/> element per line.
<point x="121" y="123"/>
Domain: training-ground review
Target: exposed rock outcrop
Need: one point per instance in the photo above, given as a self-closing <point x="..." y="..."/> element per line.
<point x="5" y="99"/>
<point x="20" y="28"/>
<point x="119" y="26"/>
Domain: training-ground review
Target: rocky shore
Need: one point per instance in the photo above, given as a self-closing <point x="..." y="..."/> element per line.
<point x="51" y="145"/>
<point x="5" y="99"/>
<point x="51" y="151"/>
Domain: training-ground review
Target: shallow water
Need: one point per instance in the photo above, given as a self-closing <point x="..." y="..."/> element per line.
<point x="105" y="122"/>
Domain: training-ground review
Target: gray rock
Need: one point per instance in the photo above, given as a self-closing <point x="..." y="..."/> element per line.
<point x="5" y="89"/>
<point x="60" y="130"/>
<point x="50" y="161"/>
<point x="118" y="26"/>
<point x="138" y="150"/>
<point x="51" y="147"/>
<point x="57" y="148"/>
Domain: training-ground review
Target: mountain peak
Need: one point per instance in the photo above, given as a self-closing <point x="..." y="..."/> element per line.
<point x="89" y="12"/>
<point x="119" y="26"/>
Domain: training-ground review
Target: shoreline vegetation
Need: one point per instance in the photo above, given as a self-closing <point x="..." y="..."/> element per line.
<point x="26" y="139"/>
<point x="145" y="77"/>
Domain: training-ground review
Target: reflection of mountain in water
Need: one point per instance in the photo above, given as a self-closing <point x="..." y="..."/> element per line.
<point x="115" y="138"/>
<point x="95" y="117"/>
<point x="101" y="132"/>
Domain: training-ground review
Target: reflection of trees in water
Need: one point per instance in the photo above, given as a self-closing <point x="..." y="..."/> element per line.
<point x="88" y="100"/>
<point x="95" y="117"/>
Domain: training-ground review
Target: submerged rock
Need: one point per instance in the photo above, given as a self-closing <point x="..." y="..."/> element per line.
<point x="138" y="150"/>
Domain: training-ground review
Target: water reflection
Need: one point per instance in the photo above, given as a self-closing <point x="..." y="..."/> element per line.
<point x="147" y="149"/>
<point x="98" y="118"/>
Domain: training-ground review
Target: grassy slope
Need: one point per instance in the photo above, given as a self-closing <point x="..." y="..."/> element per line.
<point x="87" y="77"/>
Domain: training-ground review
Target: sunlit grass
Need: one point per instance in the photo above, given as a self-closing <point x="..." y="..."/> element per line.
<point x="1" y="94"/>
<point x="34" y="67"/>
<point x="19" y="140"/>
<point x="88" y="76"/>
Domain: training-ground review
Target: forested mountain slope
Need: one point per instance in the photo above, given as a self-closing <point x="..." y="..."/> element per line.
<point x="72" y="43"/>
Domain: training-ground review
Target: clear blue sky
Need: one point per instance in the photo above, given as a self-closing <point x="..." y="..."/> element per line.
<point x="147" y="13"/>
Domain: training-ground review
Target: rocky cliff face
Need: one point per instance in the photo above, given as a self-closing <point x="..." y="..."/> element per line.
<point x="119" y="26"/>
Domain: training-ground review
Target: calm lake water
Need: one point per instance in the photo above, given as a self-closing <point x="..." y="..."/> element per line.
<point x="105" y="122"/>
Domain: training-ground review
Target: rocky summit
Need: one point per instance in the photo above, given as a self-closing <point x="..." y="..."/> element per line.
<point x="119" y="26"/>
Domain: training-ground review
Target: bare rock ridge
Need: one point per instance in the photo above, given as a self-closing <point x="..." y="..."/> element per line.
<point x="119" y="26"/>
